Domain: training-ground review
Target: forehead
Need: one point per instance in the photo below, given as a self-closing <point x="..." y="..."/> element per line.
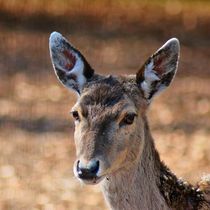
<point x="105" y="92"/>
<point x="105" y="98"/>
<point x="111" y="94"/>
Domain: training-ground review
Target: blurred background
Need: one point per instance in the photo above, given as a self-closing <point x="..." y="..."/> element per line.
<point x="36" y="131"/>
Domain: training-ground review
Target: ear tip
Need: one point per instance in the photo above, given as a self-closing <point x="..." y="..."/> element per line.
<point x="174" y="43"/>
<point x="174" y="40"/>
<point x="55" y="34"/>
<point x="55" y="37"/>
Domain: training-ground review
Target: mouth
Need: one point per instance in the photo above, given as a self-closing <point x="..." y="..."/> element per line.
<point x="92" y="181"/>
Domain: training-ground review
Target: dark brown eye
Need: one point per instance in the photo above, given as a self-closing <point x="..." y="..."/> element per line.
<point x="128" y="119"/>
<point x="75" y="115"/>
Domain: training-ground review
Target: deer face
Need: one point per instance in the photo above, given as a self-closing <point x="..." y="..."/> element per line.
<point x="110" y="111"/>
<point x="106" y="120"/>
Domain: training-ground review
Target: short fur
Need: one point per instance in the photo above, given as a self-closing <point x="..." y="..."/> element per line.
<point x="130" y="173"/>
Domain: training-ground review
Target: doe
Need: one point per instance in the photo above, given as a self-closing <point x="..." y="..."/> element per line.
<point x="114" y="145"/>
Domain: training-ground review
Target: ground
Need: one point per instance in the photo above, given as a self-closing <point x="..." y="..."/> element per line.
<point x="36" y="131"/>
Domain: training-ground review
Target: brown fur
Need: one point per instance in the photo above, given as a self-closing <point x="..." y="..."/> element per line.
<point x="137" y="179"/>
<point x="123" y="154"/>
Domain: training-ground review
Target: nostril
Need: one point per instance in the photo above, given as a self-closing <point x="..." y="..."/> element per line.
<point x="94" y="167"/>
<point x="78" y="168"/>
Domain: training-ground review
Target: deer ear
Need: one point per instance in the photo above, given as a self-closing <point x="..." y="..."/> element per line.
<point x="69" y="64"/>
<point x="159" y="70"/>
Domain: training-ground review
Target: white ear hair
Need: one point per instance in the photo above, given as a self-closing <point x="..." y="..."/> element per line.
<point x="160" y="69"/>
<point x="69" y="64"/>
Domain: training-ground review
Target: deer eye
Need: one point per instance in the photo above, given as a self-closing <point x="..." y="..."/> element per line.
<point x="75" y="115"/>
<point x="128" y="119"/>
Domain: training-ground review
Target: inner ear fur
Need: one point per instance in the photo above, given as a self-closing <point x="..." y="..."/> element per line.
<point x="159" y="70"/>
<point x="71" y="67"/>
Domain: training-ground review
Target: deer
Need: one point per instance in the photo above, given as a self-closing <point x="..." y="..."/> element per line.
<point x="114" y="145"/>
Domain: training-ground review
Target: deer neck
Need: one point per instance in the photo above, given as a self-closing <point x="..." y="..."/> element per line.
<point x="148" y="184"/>
<point x="136" y="187"/>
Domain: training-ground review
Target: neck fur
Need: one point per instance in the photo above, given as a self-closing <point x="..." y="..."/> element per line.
<point x="148" y="184"/>
<point x="136" y="187"/>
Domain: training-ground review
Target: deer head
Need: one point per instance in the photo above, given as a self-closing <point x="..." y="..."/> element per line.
<point x="110" y="111"/>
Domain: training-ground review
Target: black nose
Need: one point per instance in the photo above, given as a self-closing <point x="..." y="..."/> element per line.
<point x="89" y="171"/>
